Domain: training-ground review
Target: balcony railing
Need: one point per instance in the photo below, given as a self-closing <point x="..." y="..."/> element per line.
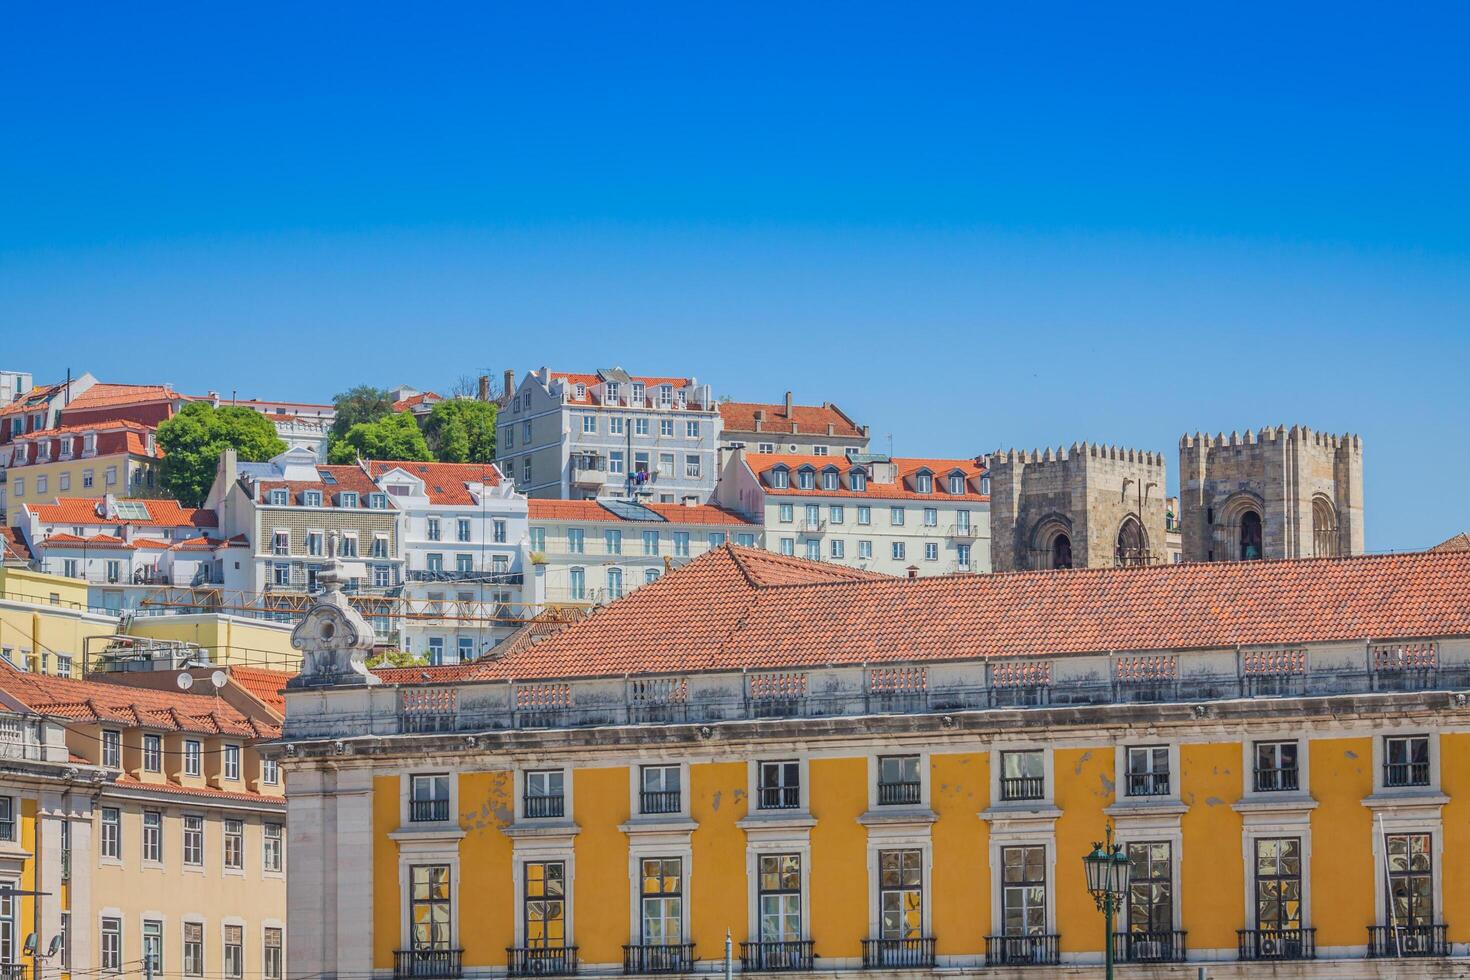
<point x="1023" y="950"/>
<point x="13" y="971"/>
<point x="677" y="958"/>
<point x="659" y="801"/>
<point x="1276" y="780"/>
<point x="428" y="964"/>
<point x="900" y="954"/>
<point x="898" y="794"/>
<point x="780" y="797"/>
<point x="544" y="806"/>
<point x="541" y="961"/>
<point x="1149" y="947"/>
<point x="1277" y="944"/>
<point x="962" y="532"/>
<point x="1148" y="784"/>
<point x="428" y="811"/>
<point x="779" y="955"/>
<point x="1395" y="941"/>
<point x="1022" y="788"/>
<point x="1406" y="774"/>
<point x="465" y="575"/>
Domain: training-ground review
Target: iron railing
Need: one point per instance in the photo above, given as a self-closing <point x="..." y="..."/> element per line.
<point x="659" y="801"/>
<point x="793" y="954"/>
<point x="1277" y="944"/>
<point x="428" y="811"/>
<point x="1149" y="947"/>
<point x="544" y="806"/>
<point x="541" y="961"/>
<point x="898" y="794"/>
<point x="428" y="964"/>
<point x="1406" y="774"/>
<point x="780" y="797"/>
<point x="1148" y="784"/>
<point x="1040" y="950"/>
<point x="1395" y="941"/>
<point x="1022" y="787"/>
<point x="658" y="958"/>
<point x="1276" y="780"/>
<point x="901" y="954"/>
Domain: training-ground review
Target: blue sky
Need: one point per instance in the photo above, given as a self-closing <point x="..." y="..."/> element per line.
<point x="971" y="227"/>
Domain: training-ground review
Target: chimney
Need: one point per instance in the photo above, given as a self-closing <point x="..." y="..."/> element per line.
<point x="510" y="382"/>
<point x="788" y="404"/>
<point x="109" y="506"/>
<point x="484" y="387"/>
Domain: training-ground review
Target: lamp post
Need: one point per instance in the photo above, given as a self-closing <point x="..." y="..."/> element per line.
<point x="1107" y="879"/>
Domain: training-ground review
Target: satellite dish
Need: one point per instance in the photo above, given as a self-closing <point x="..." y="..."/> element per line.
<point x="186" y="681"/>
<point x="219" y="679"/>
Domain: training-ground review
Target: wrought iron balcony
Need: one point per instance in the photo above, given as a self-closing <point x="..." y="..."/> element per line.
<point x="1022" y="788"/>
<point x="537" y="806"/>
<point x="901" y="954"/>
<point x="1149" y="947"/>
<point x="1405" y="774"/>
<point x="428" y="964"/>
<point x="1396" y="941"/>
<point x="780" y="797"/>
<point x="1148" y="784"/>
<point x="898" y="794"/>
<point x="1041" y="950"/>
<point x="1276" y="944"/>
<point x="428" y="811"/>
<point x="659" y="801"/>
<point x="1276" y="780"/>
<point x="779" y="955"/>
<point x="465" y="575"/>
<point x="658" y="958"/>
<point x="541" y="961"/>
<point x="962" y="532"/>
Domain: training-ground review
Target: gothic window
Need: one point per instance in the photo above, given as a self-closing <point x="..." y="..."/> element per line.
<point x="1250" y="536"/>
<point x="1132" y="548"/>
<point x="1324" y="528"/>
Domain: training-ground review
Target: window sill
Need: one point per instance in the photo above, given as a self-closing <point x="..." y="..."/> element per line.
<point x="777" y="820"/>
<point x="1418" y="796"/>
<point x="1273" y="802"/>
<point x="542" y="827"/>
<point x="891" y="816"/>
<point x="652" y="823"/>
<point x="439" y="830"/>
<point x="1161" y="805"/>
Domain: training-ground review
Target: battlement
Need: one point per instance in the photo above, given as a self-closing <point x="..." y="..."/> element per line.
<point x="1079" y="452"/>
<point x="1272" y="434"/>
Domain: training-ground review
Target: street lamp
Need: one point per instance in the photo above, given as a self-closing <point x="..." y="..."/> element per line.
<point x="1107" y="880"/>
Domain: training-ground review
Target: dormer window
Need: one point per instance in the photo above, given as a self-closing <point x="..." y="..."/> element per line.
<point x="830" y="479"/>
<point x="278" y="498"/>
<point x="581" y="391"/>
<point x="636" y="393"/>
<point x="924" y="483"/>
<point x="985" y="484"/>
<point x="806" y="478"/>
<point x="612" y="390"/>
<point x="347" y="498"/>
<point x="666" y="395"/>
<point x="956" y="484"/>
<point x="89" y="442"/>
<point x="780" y="478"/>
<point x="377" y="501"/>
<point x="858" y="480"/>
<point x="311" y="498"/>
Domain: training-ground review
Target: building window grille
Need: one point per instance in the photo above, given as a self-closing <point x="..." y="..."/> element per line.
<point x="545" y="793"/>
<point x="1148" y="771"/>
<point x="901" y="894"/>
<point x="1276" y="767"/>
<point x="429" y="798"/>
<point x="429" y="908"/>
<point x="899" y="783"/>
<point x="780" y="786"/>
<point x="1406" y="761"/>
<point x="1022" y="775"/>
<point x="660" y="791"/>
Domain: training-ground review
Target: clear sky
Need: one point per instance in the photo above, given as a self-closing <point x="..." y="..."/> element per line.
<point x="972" y="226"/>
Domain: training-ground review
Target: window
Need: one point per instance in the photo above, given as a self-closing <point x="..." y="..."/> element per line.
<point x="380" y="546"/>
<point x="271" y="961"/>
<point x="1148" y="771"/>
<point x="431" y="526"/>
<point x="270" y="772"/>
<point x="281" y="543"/>
<point x="931" y="551"/>
<point x="348" y="546"/>
<point x="1150" y="889"/>
<point x="153" y="836"/>
<point x="1276" y="767"/>
<point x="691" y="429"/>
<point x="806" y="478"/>
<point x="780" y="786"/>
<point x="838" y="550"/>
<point x="897" y="550"/>
<point x="612" y="541"/>
<point x="86" y="478"/>
<point x="681" y="544"/>
<point x="429" y="798"/>
<point x="7" y="818"/>
<point x="1278" y="883"/>
<point x="864" y="514"/>
<point x="577" y="583"/>
<point x="193" y="840"/>
<point x="813" y="516"/>
<point x="270" y="857"/>
<point x="1406" y="761"/>
<point x="112" y="749"/>
<point x="962" y="521"/>
<point x="435" y="561"/>
<point x="111" y="832"/>
<point x="788" y="546"/>
<point x="901" y="894"/>
<point x="1022" y="775"/>
<point x="312" y="498"/>
<point x="69" y="567"/>
<point x="650" y="542"/>
<point x="377" y="501"/>
<point x="193" y="757"/>
<point x="497" y="531"/>
<point x="962" y="555"/>
<point x="635" y="392"/>
<point x="114" y="571"/>
<point x="545" y="911"/>
<point x="347" y="498"/>
<point x="1410" y="880"/>
<point x="464" y="563"/>
<point x="615" y="425"/>
<point x="232" y="761"/>
<point x="666" y="427"/>
<point x="278" y="498"/>
<point x="526" y="433"/>
<point x="429" y="906"/>
<point x="234" y="845"/>
<point x="931" y="517"/>
<point x="813" y="549"/>
<point x="466" y="648"/>
<point x="538" y="539"/>
<point x="1023" y="890"/>
<point x="865" y="550"/>
<point x="662" y="894"/>
<point x="650" y="575"/>
<point x="666" y="465"/>
<point x="691" y="466"/>
<point x="19" y="484"/>
<point x="66" y="940"/>
<point x="234" y="952"/>
<point x="780" y="478"/>
<point x="545" y="793"/>
<point x="745" y="539"/>
<point x="898" y="780"/>
<point x="281" y="573"/>
<point x="110" y="477"/>
<point x="778" y="895"/>
<point x="63" y="481"/>
<point x="314" y="543"/>
<point x="640" y="427"/>
<point x="615" y="583"/>
<point x="576" y="540"/>
<point x="836" y="513"/>
<point x="786" y="513"/>
<point x="956" y="484"/>
<point x="895" y="516"/>
<point x="589" y="424"/>
<point x="112" y="944"/>
<point x="510" y="437"/>
<point x="660" y="789"/>
<point x="152" y="753"/>
<point x="153" y="946"/>
<point x="193" y="949"/>
<point x="829" y="480"/>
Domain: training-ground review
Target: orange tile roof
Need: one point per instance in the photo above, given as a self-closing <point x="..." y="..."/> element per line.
<point x="138" y="707"/>
<point x="591" y="510"/>
<point x="13" y="545"/>
<point x="36" y="398"/>
<point x="445" y="483"/>
<point x="348" y="477"/>
<point x="265" y="685"/>
<point x="907" y="467"/>
<point x="810" y="419"/>
<point x="422" y="398"/>
<point x="102" y="395"/>
<point x="133" y="438"/>
<point x="589" y="380"/>
<point x="1460" y="542"/>
<point x="161" y="513"/>
<point x="128" y="782"/>
<point x="735" y="608"/>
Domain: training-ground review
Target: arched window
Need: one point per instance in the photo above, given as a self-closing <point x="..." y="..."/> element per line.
<point x="1132" y="546"/>
<point x="1061" y="551"/>
<point x="858" y="479"/>
<point x="1250" y="536"/>
<point x="1324" y="528"/>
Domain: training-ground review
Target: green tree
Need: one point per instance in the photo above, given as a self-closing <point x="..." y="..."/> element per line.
<point x="357" y="405"/>
<point x="395" y="436"/>
<point x="395" y="658"/>
<point x="462" y="430"/>
<point x="193" y="439"/>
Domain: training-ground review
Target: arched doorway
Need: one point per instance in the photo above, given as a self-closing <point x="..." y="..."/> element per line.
<point x="1061" y="551"/>
<point x="1250" y="536"/>
<point x="1132" y="545"/>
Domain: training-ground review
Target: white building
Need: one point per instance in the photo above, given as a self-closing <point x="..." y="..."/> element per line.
<point x="589" y="552"/>
<point x="884" y="514"/>
<point x="580" y="436"/>
<point x="466" y="551"/>
<point x="301" y="425"/>
<point x="13" y="384"/>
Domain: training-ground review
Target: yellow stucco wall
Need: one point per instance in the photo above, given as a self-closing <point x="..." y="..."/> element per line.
<point x="839" y="872"/>
<point x="31" y="622"/>
<point x="1342" y="891"/>
<point x="600" y="803"/>
<point x="1211" y="882"/>
<point x="229" y="639"/>
<point x="1084" y="789"/>
<point x="959" y="789"/>
<point x="1454" y="776"/>
<point x="717" y="800"/>
<point x="387" y="895"/>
